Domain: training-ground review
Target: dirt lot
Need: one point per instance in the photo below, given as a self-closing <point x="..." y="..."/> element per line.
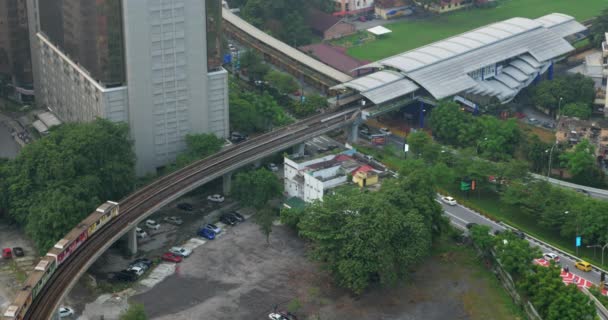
<point x="238" y="277"/>
<point x="13" y="272"/>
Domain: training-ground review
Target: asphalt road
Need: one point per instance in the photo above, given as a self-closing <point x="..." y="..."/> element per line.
<point x="461" y="216"/>
<point x="8" y="147"/>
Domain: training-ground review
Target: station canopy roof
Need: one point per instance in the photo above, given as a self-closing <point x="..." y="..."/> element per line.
<point x="381" y="86"/>
<point x="442" y="68"/>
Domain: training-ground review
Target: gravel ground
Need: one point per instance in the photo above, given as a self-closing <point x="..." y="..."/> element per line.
<point x="238" y="277"/>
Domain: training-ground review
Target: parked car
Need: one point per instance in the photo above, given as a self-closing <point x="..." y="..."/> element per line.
<point x="206" y="233"/>
<point x="385" y="131"/>
<point x="142" y="262"/>
<point x="213" y="228"/>
<point x="519" y="234"/>
<point x="549" y="256"/>
<point x="18" y="252"/>
<point x="173" y="220"/>
<point x="448" y="200"/>
<point x="7" y="253"/>
<point x="228" y="219"/>
<point x="181" y="251"/>
<point x="238" y="216"/>
<point x="140" y="233"/>
<point x="216" y="198"/>
<point x="237" y="137"/>
<point x="152" y="224"/>
<point x="533" y="121"/>
<point x="470" y="225"/>
<point x="583" y="265"/>
<point x="137" y="270"/>
<point x="273" y="167"/>
<point x="282" y="315"/>
<point x="125" y="275"/>
<point x="65" y="312"/>
<point x="185" y="206"/>
<point x="172" y="257"/>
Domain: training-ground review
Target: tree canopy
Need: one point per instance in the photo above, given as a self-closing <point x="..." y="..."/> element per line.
<point x="577" y="109"/>
<point x="256" y="188"/>
<point x="363" y="237"/>
<point x="283" y="82"/>
<point x="571" y="88"/>
<point x="281" y="18"/>
<point x="199" y="146"/>
<point x="253" y="112"/>
<point x="58" y="180"/>
<point x="492" y="138"/>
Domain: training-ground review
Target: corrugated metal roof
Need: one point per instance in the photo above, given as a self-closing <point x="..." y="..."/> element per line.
<point x="381" y="86"/>
<point x="390" y="91"/>
<point x="282" y="47"/>
<point x="442" y="67"/>
<point x="561" y="24"/>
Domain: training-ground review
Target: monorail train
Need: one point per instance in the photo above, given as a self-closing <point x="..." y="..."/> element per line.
<point x="61" y="251"/>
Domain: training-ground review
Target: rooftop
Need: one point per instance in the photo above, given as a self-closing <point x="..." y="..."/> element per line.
<point x="442" y="68"/>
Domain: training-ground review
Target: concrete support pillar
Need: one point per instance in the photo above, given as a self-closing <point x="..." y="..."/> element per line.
<point x="227" y="183"/>
<point x="55" y="315"/>
<point x="299" y="148"/>
<point x="550" y="72"/>
<point x="422" y="110"/>
<point x="353" y="132"/>
<point x="132" y="242"/>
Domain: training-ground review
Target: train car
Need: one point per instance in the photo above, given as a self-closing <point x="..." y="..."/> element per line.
<point x="66" y="246"/>
<point x="104" y="213"/>
<point x="32" y="287"/>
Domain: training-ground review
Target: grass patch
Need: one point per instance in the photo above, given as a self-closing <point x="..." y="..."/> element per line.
<point x="488" y="300"/>
<point x="19" y="273"/>
<point x="408" y="35"/>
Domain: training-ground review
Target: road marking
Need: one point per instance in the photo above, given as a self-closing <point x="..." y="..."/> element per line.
<point x="459" y="218"/>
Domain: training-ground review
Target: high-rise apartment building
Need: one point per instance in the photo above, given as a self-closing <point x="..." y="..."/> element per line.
<point x="15" y="63"/>
<point x="155" y="64"/>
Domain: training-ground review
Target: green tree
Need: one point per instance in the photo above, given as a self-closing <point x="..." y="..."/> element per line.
<point x="537" y="153"/>
<point x="580" y="159"/>
<point x="453" y="126"/>
<point x="265" y="218"/>
<point x="598" y="29"/>
<point x="283" y="82"/>
<point x="482" y="238"/>
<point x="254" y="65"/>
<point x="498" y="138"/>
<point x="252" y="112"/>
<point x="577" y="109"/>
<point x="58" y="180"/>
<point x="571" y="88"/>
<point x="135" y="312"/>
<point x="312" y="104"/>
<point x="199" y="146"/>
<point x="515" y="254"/>
<point x="552" y="299"/>
<point x="364" y="237"/>
<point x="417" y="142"/>
<point x="256" y="188"/>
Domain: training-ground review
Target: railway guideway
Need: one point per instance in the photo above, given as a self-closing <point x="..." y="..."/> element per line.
<point x="145" y="201"/>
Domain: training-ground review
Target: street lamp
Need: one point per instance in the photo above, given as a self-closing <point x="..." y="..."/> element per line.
<point x="599" y="246"/>
<point x="550" y="158"/>
<point x="559" y="109"/>
<point x="576" y="235"/>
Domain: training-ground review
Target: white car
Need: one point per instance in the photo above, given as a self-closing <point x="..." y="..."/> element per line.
<point x="137" y="270"/>
<point x="385" y="131"/>
<point x="213" y="228"/>
<point x="549" y="256"/>
<point x="273" y="167"/>
<point x="216" y="198"/>
<point x="65" y="312"/>
<point x="152" y="224"/>
<point x="278" y="316"/>
<point x="449" y="200"/>
<point x="181" y="251"/>
<point x="140" y="233"/>
<point x="173" y="220"/>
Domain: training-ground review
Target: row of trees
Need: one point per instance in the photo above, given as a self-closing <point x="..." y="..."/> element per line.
<point x="367" y="237"/>
<point x="279" y="85"/>
<point x="576" y="92"/>
<point x="541" y="285"/>
<point x="253" y="112"/>
<point x="490" y="137"/>
<point x="284" y="19"/>
<point x="57" y="181"/>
